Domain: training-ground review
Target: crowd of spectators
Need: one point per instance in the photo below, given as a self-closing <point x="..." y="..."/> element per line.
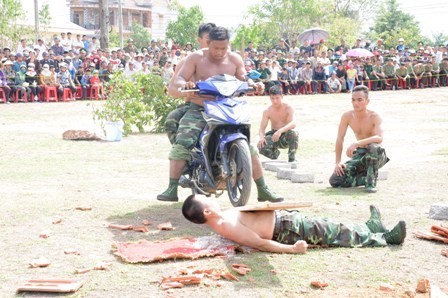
<point x="316" y="68"/>
<point x="80" y="64"/>
<point x="77" y="65"/>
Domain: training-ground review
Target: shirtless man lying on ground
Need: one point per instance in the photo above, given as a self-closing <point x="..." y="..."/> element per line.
<point x="286" y="231"/>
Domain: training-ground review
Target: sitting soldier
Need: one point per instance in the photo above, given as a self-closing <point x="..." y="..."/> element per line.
<point x="366" y="154"/>
<point x="282" y="133"/>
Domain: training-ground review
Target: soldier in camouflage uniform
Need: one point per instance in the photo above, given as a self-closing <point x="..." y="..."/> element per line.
<point x="282" y="135"/>
<point x="285" y="231"/>
<point x="366" y="154"/>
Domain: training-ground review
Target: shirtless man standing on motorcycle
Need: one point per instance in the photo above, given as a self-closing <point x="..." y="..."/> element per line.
<point x="202" y="65"/>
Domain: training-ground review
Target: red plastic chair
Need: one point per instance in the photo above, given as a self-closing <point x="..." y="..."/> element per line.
<point x="17" y="96"/>
<point x="50" y="94"/>
<point x="67" y="94"/>
<point x="2" y="96"/>
<point x="94" y="92"/>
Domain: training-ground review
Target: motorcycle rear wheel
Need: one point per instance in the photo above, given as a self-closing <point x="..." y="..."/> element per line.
<point x="239" y="181"/>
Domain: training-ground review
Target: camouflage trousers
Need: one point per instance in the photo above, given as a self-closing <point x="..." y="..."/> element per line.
<point x="289" y="139"/>
<point x="362" y="169"/>
<point x="173" y="119"/>
<point x="188" y="133"/>
<point x="292" y="226"/>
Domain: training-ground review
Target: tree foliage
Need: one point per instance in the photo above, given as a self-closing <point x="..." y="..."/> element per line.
<point x="185" y="28"/>
<point x="140" y="103"/>
<point x="45" y="16"/>
<point x="392" y="24"/>
<point x="288" y="18"/>
<point x="140" y="35"/>
<point x="356" y="9"/>
<point x="10" y="12"/>
<point x="255" y="33"/>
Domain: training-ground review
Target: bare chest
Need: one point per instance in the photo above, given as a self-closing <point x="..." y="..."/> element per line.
<point x="206" y="68"/>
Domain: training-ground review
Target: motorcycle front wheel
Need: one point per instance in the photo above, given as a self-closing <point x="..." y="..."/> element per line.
<point x="240" y="179"/>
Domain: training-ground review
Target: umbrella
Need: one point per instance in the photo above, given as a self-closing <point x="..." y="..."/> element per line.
<point x="314" y="35"/>
<point x="359" y="52"/>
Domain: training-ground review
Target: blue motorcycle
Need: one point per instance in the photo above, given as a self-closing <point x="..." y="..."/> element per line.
<point x="221" y="160"/>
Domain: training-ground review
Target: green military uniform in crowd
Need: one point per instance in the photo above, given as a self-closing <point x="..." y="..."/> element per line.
<point x="389" y="70"/>
<point x="369" y="68"/>
<point x="281" y="61"/>
<point x="443" y="72"/>
<point x="378" y="82"/>
<point x="427" y="77"/>
<point x="173" y="119"/>
<point x="289" y="139"/>
<point x="362" y="169"/>
<point x="292" y="226"/>
<point x="435" y="72"/>
<point x="401" y="73"/>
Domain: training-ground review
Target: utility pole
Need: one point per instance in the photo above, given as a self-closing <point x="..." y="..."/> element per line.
<point x="120" y="21"/>
<point x="36" y="19"/>
<point x="104" y="23"/>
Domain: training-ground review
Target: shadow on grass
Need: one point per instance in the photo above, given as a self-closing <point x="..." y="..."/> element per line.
<point x="342" y="191"/>
<point x="262" y="271"/>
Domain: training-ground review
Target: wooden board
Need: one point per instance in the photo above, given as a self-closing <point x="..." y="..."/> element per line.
<point x="268" y="206"/>
<point x="50" y="285"/>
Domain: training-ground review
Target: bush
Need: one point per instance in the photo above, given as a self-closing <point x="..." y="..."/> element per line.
<point x="141" y="102"/>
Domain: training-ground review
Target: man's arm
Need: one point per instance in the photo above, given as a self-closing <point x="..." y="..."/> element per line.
<point x="342" y="130"/>
<point x="263" y="125"/>
<point x="183" y="76"/>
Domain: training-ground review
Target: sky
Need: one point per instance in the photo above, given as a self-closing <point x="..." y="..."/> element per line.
<point x="431" y="14"/>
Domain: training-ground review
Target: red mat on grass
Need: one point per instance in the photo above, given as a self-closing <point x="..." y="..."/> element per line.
<point x="145" y="251"/>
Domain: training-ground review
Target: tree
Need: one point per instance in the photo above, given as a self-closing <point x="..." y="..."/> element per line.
<point x="44" y="16"/>
<point x="104" y="23"/>
<point x="439" y="38"/>
<point x="10" y="12"/>
<point x="392" y="24"/>
<point x="185" y="28"/>
<point x="254" y="33"/>
<point x="140" y="36"/>
<point x="287" y="18"/>
<point x="356" y="9"/>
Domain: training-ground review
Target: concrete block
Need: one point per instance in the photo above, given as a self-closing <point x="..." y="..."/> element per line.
<point x="274" y="167"/>
<point x="285" y="173"/>
<point x="382" y="175"/>
<point x="264" y="162"/>
<point x="439" y="211"/>
<point x="301" y="177"/>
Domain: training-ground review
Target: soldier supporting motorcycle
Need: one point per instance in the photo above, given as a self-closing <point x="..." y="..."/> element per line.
<point x="202" y="65"/>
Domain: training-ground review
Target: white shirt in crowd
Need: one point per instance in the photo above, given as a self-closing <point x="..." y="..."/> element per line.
<point x="66" y="44"/>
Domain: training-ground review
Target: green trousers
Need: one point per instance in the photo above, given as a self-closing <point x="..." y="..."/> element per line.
<point x="292" y="226"/>
<point x="289" y="139"/>
<point x="362" y="169"/>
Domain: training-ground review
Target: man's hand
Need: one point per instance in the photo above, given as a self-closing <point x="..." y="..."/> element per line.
<point x="351" y="149"/>
<point x="261" y="143"/>
<point x="259" y="87"/>
<point x="339" y="169"/>
<point x="300" y="247"/>
<point x="276" y="136"/>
